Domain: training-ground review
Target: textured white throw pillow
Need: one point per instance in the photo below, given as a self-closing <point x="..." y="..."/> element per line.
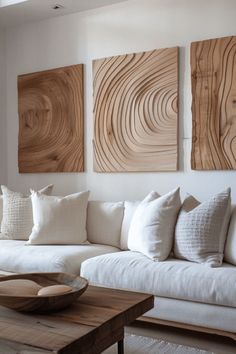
<point x="230" y="246"/>
<point x="104" y="221"/>
<point x="59" y="220"/>
<point x="152" y="227"/>
<point x="201" y="229"/>
<point x="17" y="221"/>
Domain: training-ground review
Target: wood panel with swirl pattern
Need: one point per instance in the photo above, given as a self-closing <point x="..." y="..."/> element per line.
<point x="51" y="123"/>
<point x="213" y="70"/>
<point x="135" y="112"/>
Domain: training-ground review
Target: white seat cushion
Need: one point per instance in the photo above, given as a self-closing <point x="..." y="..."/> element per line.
<point x="15" y="256"/>
<point x="172" y="278"/>
<point x="194" y="313"/>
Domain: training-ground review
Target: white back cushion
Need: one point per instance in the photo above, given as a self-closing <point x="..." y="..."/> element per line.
<point x="130" y="208"/>
<point x="1" y="208"/>
<point x="104" y="220"/>
<point x="230" y="246"/>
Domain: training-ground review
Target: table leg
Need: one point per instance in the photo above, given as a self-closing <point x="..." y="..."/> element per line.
<point x="121" y="346"/>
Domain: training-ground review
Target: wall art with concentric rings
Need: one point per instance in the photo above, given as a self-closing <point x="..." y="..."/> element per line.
<point x="136" y="112"/>
<point x="213" y="69"/>
<point x="51" y="122"/>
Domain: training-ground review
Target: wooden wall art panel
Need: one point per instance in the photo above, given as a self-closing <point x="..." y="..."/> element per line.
<point x="51" y="126"/>
<point x="213" y="69"/>
<point x="135" y="112"/>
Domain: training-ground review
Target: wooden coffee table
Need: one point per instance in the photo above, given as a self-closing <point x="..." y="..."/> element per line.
<point x="93" y="323"/>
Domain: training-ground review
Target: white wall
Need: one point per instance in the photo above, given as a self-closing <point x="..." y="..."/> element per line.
<point x="133" y="26"/>
<point x="3" y="143"/>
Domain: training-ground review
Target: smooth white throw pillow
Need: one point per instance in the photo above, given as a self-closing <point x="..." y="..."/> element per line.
<point x="59" y="220"/>
<point x="104" y="220"/>
<point x="17" y="220"/>
<point x="230" y="246"/>
<point x="201" y="229"/>
<point x="152" y="227"/>
<point x="130" y="207"/>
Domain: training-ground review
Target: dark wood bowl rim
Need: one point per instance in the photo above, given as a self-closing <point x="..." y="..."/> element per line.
<point x="21" y="276"/>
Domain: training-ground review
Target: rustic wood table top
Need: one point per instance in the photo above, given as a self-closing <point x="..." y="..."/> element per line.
<point x="92" y="324"/>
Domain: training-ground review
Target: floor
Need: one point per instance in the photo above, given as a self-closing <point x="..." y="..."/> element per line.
<point x="216" y="344"/>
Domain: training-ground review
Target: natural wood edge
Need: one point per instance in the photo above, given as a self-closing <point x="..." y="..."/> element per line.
<point x="14" y="347"/>
<point x="186" y="326"/>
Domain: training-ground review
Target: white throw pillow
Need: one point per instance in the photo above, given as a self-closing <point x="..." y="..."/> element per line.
<point x="59" y="220"/>
<point x="17" y="220"/>
<point x="230" y="246"/>
<point x="104" y="221"/>
<point x="201" y="229"/>
<point x="152" y="227"/>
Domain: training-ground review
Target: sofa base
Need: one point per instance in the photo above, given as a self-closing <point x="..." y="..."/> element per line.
<point x="156" y="321"/>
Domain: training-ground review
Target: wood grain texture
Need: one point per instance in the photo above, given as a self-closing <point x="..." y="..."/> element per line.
<point x="135" y="112"/>
<point x="93" y="323"/>
<point x="51" y="123"/>
<point x="186" y="326"/>
<point x="213" y="70"/>
<point x="46" y="303"/>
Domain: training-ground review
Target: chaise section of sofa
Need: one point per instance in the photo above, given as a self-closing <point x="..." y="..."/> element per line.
<point x="16" y="257"/>
<point x="104" y="220"/>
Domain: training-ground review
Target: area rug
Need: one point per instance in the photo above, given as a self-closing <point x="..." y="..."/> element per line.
<point x="145" y="345"/>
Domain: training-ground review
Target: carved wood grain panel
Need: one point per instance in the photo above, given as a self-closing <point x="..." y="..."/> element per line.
<point x="51" y="123"/>
<point x="213" y="70"/>
<point x="135" y="112"/>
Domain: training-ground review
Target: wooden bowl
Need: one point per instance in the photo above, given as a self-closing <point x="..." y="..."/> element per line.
<point x="42" y="304"/>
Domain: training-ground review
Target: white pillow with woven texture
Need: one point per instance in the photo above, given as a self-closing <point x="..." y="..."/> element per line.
<point x="230" y="245"/>
<point x="104" y="220"/>
<point x="152" y="227"/>
<point x="17" y="220"/>
<point x="201" y="229"/>
<point x="59" y="220"/>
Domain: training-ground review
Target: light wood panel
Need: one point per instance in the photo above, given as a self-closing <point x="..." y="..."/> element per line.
<point x="213" y="69"/>
<point x="135" y="112"/>
<point x="187" y="326"/>
<point x="51" y="123"/>
<point x="93" y="323"/>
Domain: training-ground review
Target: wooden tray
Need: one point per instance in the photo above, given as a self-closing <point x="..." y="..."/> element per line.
<point x="42" y="304"/>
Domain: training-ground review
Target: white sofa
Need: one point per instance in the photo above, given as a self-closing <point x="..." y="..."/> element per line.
<point x="186" y="293"/>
